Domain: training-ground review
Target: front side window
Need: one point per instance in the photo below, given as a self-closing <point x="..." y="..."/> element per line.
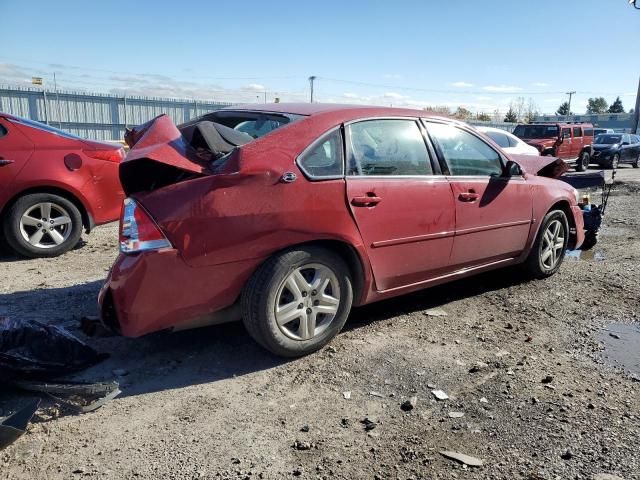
<point x="625" y="138"/>
<point x="566" y="133"/>
<point x="387" y="147"/>
<point x="588" y="132"/>
<point x="500" y="138"/>
<point x="324" y="158"/>
<point x="465" y="153"/>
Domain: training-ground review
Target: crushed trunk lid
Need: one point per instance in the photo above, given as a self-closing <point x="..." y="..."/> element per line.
<point x="551" y="167"/>
<point x="162" y="154"/>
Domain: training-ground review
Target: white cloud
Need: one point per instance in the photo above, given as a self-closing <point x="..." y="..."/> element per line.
<point x="461" y="84"/>
<point x="394" y="95"/>
<point x="254" y="87"/>
<point x="501" y="88"/>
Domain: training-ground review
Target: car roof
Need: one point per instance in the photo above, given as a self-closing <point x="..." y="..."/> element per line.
<point x="493" y="129"/>
<point x="311" y="109"/>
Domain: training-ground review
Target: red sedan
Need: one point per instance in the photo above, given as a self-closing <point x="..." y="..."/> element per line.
<point x="289" y="215"/>
<point x="52" y="184"/>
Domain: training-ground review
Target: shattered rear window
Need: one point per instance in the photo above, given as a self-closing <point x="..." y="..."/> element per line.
<point x="254" y="123"/>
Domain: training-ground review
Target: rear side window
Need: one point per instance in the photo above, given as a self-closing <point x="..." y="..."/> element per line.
<point x="588" y="132"/>
<point x="388" y="147"/>
<point x="500" y="138"/>
<point x="513" y="140"/>
<point x="577" y="132"/>
<point x="465" y="154"/>
<point x="324" y="157"/>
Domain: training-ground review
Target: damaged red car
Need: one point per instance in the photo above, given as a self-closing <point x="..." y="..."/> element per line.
<point x="288" y="215"/>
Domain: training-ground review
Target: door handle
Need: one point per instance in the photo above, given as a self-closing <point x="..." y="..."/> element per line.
<point x="470" y="196"/>
<point x="368" y="200"/>
<point x="4" y="161"/>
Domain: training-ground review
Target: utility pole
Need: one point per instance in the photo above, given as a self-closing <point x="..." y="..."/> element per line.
<point x="265" y="96"/>
<point x="571" y="94"/>
<point x="636" y="112"/>
<point x="311" y="80"/>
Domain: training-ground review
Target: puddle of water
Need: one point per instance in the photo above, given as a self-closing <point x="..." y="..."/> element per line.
<point x="622" y="346"/>
<point x="585" y="255"/>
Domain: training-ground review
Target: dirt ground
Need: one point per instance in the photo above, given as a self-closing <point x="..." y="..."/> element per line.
<point x="522" y="360"/>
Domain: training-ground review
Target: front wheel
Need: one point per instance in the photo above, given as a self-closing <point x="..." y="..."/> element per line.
<point x="550" y="245"/>
<point x="42" y="225"/>
<point x="614" y="162"/>
<point x="636" y="162"/>
<point x="297" y="301"/>
<point x="583" y="162"/>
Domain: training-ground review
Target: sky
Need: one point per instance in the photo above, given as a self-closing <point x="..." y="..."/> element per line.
<point x="478" y="54"/>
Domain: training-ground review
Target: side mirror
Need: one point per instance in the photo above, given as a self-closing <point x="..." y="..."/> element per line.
<point x="560" y="140"/>
<point x="512" y="169"/>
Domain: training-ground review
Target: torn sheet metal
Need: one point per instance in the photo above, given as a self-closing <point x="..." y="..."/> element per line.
<point x="30" y="349"/>
<point x="76" y="396"/>
<point x="14" y="426"/>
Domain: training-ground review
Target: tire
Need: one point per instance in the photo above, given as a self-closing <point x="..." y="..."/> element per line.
<point x="583" y="162"/>
<point x="536" y="264"/>
<point x="275" y="283"/>
<point x="27" y="234"/>
<point x="615" y="161"/>
<point x="636" y="162"/>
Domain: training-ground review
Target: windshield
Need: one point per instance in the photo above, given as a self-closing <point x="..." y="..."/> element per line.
<point x="536" y="131"/>
<point x="608" y="139"/>
<point x="45" y="127"/>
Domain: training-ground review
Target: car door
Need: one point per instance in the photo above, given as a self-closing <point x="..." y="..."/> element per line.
<point x="400" y="201"/>
<point x="493" y="211"/>
<point x="564" y="149"/>
<point x="635" y="147"/>
<point x="15" y="151"/>
<point x="577" y="142"/>
<point x="625" y="148"/>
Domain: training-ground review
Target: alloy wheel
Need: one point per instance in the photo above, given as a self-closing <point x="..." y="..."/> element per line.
<point x="552" y="245"/>
<point x="614" y="161"/>
<point x="307" y="301"/>
<point x="45" y="225"/>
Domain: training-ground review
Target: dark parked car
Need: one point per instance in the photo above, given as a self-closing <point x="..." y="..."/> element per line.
<point x="335" y="206"/>
<point x="52" y="184"/>
<point x="611" y="149"/>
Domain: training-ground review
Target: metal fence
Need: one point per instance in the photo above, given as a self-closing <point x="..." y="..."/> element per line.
<point x="97" y="116"/>
<point x="104" y="117"/>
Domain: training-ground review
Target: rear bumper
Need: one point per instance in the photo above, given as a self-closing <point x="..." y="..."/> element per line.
<point x="155" y="290"/>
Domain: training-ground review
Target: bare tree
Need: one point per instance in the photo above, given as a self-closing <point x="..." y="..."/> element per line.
<point x="531" y="111"/>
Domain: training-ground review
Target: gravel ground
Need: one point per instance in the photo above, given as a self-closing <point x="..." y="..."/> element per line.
<point x="521" y="362"/>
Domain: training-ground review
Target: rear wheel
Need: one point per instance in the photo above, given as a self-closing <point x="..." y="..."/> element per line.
<point x="42" y="225"/>
<point x="549" y="249"/>
<point x="583" y="162"/>
<point x="297" y="301"/>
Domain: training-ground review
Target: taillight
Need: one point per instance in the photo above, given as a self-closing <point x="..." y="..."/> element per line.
<point x="110" y="155"/>
<point x="138" y="231"/>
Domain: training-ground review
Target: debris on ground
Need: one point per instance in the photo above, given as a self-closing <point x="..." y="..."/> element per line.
<point x="30" y="349"/>
<point x="346" y="395"/>
<point x="14" y="426"/>
<point x="410" y="404"/>
<point x="462" y="458"/>
<point x="456" y="414"/>
<point x="435" y="312"/>
<point x="368" y="423"/>
<point x="440" y="395"/>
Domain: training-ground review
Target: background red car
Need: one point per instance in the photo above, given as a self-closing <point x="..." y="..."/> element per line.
<point x="330" y="206"/>
<point x="52" y="184"/>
